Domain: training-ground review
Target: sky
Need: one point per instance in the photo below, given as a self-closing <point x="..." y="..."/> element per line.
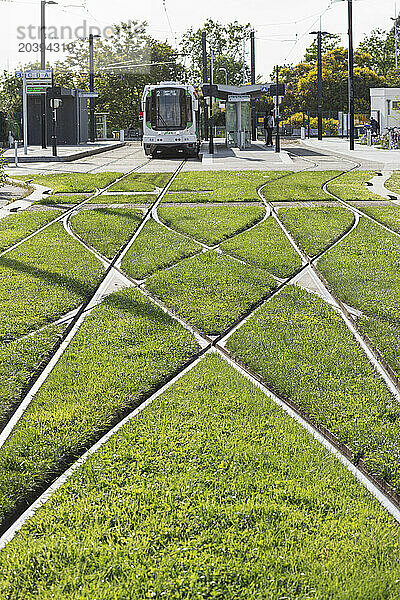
<point x="282" y="27"/>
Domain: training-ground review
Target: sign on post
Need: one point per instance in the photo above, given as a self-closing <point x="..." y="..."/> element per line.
<point x="238" y="98"/>
<point x="88" y="94"/>
<point x="37" y="81"/>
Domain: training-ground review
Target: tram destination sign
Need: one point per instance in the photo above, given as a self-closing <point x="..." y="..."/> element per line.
<point x="237" y="98"/>
<point x="38" y="80"/>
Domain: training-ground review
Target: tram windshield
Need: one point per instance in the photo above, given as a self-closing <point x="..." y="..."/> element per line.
<point x="169" y="108"/>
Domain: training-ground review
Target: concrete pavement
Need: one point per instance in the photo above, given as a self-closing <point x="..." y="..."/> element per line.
<point x="369" y="157"/>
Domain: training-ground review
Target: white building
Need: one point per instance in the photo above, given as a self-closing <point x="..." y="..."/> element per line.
<point x="385" y="107"/>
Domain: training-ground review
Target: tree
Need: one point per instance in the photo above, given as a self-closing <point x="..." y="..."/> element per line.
<point x="380" y="46"/>
<point x="301" y="83"/>
<point x="227" y="44"/>
<point x="124" y="64"/>
<point x="330" y="41"/>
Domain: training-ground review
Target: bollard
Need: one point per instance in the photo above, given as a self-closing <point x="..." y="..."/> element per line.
<point x="122" y="135"/>
<point x="303" y="133"/>
<point x="16" y="153"/>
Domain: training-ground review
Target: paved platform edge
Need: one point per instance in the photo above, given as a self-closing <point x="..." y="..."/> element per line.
<point x="67" y="158"/>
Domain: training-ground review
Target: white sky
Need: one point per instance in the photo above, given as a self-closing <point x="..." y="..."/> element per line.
<point x="277" y="23"/>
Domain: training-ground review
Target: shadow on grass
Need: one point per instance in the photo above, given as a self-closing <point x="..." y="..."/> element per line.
<point x="62" y="280"/>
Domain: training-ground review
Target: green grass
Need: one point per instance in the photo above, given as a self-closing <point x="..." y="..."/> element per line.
<point x="306" y="187"/>
<point x="107" y="229"/>
<point x="304" y="351"/>
<point x="142" y="182"/>
<point x="231" y="185"/>
<point x="265" y="246"/>
<point x="393" y="184"/>
<point x="386" y="338"/>
<point x="20" y="361"/>
<point x="43" y="279"/>
<point x="315" y="228"/>
<point x="211" y="492"/>
<point x="76" y="182"/>
<point x="60" y="199"/>
<point x="123" y="351"/>
<point x="388" y="215"/>
<point x="124" y="199"/>
<point x="156" y="248"/>
<point x="351" y="186"/>
<point x="364" y="270"/>
<point x="211" y="225"/>
<point x="222" y="186"/>
<point x="15" y="227"/>
<point x="211" y="291"/>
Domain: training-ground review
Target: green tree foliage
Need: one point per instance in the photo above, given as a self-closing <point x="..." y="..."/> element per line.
<point x="301" y="82"/>
<point x="330" y="41"/>
<point x="227" y="44"/>
<point x="124" y="63"/>
<point x="379" y="44"/>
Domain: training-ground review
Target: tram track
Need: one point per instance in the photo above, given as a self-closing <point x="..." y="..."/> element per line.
<point x="377" y="487"/>
<point x="102" y="290"/>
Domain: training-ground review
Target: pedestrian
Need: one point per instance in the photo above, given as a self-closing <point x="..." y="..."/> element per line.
<point x="268" y="128"/>
<point x="374" y="126"/>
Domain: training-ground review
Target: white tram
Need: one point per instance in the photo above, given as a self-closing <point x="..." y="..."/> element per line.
<point x="170" y="119"/>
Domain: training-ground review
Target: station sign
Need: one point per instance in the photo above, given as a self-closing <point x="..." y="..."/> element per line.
<point x="38" y="80"/>
<point x="88" y="95"/>
<point x="237" y="98"/>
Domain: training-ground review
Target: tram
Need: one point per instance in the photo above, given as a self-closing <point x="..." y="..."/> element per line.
<point x="170" y="119"/>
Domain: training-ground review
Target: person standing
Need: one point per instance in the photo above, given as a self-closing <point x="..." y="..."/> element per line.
<point x="268" y="128"/>
<point x="374" y="126"/>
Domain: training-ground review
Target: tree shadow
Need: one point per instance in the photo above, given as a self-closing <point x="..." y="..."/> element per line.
<point x="59" y="279"/>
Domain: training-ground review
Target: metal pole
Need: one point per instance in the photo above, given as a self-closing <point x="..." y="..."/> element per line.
<point x="43" y="66"/>
<point x="54" y="132"/>
<point x="277" y="138"/>
<point x="395" y="34"/>
<point x="91" y="88"/>
<point x="211" y="119"/>
<point x="244" y="62"/>
<point x="351" y="75"/>
<point x="320" y="85"/>
<point x="205" y="79"/>
<point x="25" y="113"/>
<point x="253" y="81"/>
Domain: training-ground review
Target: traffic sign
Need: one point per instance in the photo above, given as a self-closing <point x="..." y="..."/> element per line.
<point x="18" y="74"/>
<point x="265" y="88"/>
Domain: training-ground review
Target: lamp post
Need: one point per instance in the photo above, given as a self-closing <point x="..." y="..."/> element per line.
<point x="43" y="111"/>
<point x="91" y="87"/>
<point x="277" y="138"/>
<point x="351" y="70"/>
<point x="253" y="81"/>
<point x="319" y="35"/>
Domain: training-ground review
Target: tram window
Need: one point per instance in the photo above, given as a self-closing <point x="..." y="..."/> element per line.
<point x="168" y="109"/>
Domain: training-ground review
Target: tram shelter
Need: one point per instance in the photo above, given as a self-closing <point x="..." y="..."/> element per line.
<point x="239" y="109"/>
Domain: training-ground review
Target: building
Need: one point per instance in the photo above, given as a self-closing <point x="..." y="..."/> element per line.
<point x="385" y="107"/>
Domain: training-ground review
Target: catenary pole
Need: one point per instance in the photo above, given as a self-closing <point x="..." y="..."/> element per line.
<point x="277" y="138"/>
<point x="351" y="74"/>
<point x="253" y="81"/>
<point x="43" y="112"/>
<point x="205" y="79"/>
<point x="91" y="88"/>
